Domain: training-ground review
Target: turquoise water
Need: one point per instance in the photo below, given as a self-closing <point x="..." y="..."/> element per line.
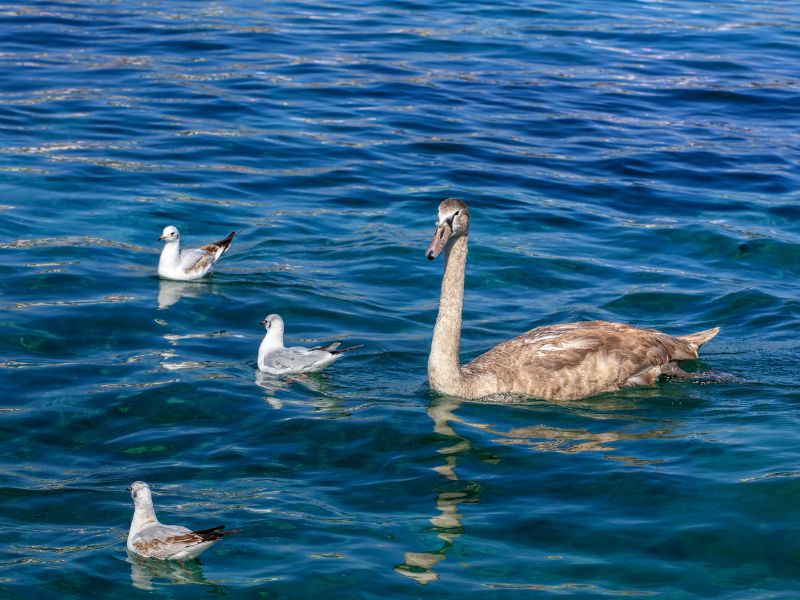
<point x="631" y="161"/>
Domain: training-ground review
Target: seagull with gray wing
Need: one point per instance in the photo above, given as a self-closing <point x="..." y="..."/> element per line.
<point x="192" y="263"/>
<point x="276" y="359"/>
<point x="150" y="539"/>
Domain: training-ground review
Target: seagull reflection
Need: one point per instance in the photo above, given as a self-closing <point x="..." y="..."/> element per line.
<point x="144" y="572"/>
<point x="169" y="292"/>
<point x="313" y="382"/>
<point x="448" y="521"/>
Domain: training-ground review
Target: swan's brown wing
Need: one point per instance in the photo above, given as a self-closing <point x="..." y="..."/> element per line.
<point x="575" y="360"/>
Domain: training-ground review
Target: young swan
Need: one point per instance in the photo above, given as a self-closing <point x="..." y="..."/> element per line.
<point x="555" y="362"/>
<point x="276" y="359"/>
<point x="189" y="264"/>
<point x="150" y="539"/>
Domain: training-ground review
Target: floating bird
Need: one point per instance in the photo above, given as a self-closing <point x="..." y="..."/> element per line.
<point x="189" y="264"/>
<point x="150" y="539"/>
<point x="555" y="362"/>
<point x="276" y="359"/>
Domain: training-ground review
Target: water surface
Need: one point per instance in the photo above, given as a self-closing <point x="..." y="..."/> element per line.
<point x="636" y="162"/>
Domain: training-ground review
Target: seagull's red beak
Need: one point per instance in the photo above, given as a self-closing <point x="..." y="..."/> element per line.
<point x="162" y="238"/>
<point x="264" y="322"/>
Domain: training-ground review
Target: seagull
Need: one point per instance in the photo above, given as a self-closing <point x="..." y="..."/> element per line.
<point x="150" y="539"/>
<point x="189" y="264"/>
<point x="276" y="359"/>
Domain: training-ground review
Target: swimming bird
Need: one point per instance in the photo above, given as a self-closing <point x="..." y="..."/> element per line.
<point x="276" y="359"/>
<point x="150" y="539"/>
<point x="555" y="362"/>
<point x="189" y="264"/>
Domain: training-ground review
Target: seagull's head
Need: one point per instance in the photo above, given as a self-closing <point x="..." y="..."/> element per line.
<point x="451" y="222"/>
<point x="170" y="234"/>
<point x="140" y="492"/>
<point x="273" y="323"/>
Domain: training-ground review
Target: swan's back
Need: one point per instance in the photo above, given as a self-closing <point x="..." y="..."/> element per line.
<point x="575" y="360"/>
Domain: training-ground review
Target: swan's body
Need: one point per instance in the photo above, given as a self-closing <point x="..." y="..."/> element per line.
<point x="555" y="362"/>
<point x="150" y="539"/>
<point x="274" y="358"/>
<point x="190" y="264"/>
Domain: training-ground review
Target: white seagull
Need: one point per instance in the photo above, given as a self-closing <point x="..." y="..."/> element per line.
<point x="276" y="359"/>
<point x="189" y="264"/>
<point x="150" y="539"/>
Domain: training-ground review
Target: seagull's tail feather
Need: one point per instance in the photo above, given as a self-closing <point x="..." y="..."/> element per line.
<point x="221" y="247"/>
<point x="332" y="347"/>
<point x="226" y="243"/>
<point x="343" y="350"/>
<point x="213" y="534"/>
<point x="329" y="347"/>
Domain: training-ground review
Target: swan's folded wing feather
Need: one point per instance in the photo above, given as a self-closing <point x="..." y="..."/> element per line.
<point x="590" y="355"/>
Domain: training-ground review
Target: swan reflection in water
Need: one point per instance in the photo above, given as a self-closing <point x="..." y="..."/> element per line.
<point x="169" y="292"/>
<point x="447" y="522"/>
<point x="146" y="572"/>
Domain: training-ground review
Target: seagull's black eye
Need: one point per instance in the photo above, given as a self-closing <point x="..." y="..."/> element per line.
<point x="458" y="212"/>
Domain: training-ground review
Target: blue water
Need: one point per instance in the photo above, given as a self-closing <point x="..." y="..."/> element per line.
<point x="631" y="160"/>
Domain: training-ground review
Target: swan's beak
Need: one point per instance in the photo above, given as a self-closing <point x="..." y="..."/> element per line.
<point x="439" y="241"/>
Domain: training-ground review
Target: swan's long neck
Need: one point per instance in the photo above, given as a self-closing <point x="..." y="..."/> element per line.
<point x="170" y="255"/>
<point x="444" y="372"/>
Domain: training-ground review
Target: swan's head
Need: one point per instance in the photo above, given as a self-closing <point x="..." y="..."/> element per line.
<point x="273" y="322"/>
<point x="170" y="234"/>
<point x="452" y="221"/>
<point x="140" y="492"/>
